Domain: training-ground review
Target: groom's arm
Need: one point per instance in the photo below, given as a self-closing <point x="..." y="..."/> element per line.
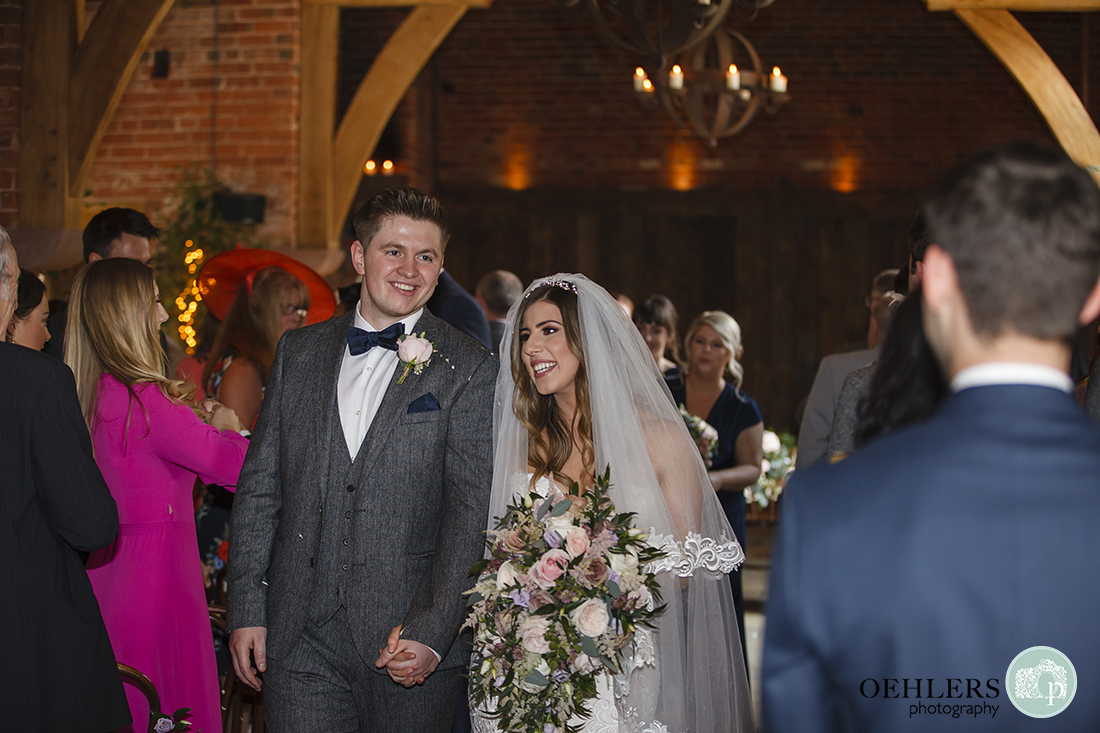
<point x="256" y="510"/>
<point x="438" y="606"/>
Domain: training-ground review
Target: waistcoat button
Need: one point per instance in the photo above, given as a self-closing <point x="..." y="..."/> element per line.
<point x="351" y="487"/>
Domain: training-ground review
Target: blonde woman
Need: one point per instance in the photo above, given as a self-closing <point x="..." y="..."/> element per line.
<point x="150" y="442"/>
<point x="711" y="389"/>
<point x="269" y="303"/>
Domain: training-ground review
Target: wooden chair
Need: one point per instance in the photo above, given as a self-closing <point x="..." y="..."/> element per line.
<point x="147" y="688"/>
<point x="242" y="707"/>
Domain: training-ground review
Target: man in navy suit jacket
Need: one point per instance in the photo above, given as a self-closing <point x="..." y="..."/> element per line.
<point x="908" y="577"/>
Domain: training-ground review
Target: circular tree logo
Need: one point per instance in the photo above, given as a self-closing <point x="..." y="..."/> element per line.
<point x="1041" y="682"/>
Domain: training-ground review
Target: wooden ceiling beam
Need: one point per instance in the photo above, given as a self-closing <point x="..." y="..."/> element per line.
<point x="101" y="69"/>
<point x="1043" y="81"/>
<point x="317" y="124"/>
<point x="393" y="71"/>
<point x="1045" y="6"/>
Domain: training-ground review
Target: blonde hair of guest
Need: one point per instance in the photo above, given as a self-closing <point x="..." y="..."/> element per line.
<point x="113" y="329"/>
<point x="730" y="332"/>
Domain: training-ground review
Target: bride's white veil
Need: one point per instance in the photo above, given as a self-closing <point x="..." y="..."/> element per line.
<point x="693" y="678"/>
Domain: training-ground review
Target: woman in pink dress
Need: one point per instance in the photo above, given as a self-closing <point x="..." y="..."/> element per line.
<point x="151" y="440"/>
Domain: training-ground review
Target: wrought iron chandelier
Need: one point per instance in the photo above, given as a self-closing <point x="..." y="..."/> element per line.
<point x="715" y="88"/>
<point x="659" y="28"/>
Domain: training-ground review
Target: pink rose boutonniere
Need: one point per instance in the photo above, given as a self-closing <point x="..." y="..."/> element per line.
<point x="415" y="352"/>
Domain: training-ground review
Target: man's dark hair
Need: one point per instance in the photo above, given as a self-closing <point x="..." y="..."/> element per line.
<point x="31" y="290"/>
<point x="918" y="241"/>
<point x="499" y="289"/>
<point x="110" y="224"/>
<point x="408" y="202"/>
<point x="1022" y="226"/>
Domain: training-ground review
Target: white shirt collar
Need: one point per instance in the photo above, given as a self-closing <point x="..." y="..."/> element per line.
<point x="409" y="321"/>
<point x="1011" y="372"/>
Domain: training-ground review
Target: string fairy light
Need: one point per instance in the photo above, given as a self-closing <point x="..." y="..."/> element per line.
<point x="187" y="302"/>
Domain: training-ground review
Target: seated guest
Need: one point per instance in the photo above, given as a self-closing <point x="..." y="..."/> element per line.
<point x="496" y="291"/>
<point x="268" y="304"/>
<point x="28" y="323"/>
<point x="114" y="232"/>
<point x="946" y="546"/>
<point x="711" y="389"/>
<point x="57" y="670"/>
<point x="151" y="441"/>
<point x="843" y="431"/>
<point x="656" y="320"/>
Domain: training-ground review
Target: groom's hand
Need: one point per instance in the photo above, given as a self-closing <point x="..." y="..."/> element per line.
<point x="242" y="642"/>
<point x="407" y="662"/>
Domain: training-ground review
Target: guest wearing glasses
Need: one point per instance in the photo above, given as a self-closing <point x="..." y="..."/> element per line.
<point x="268" y="303"/>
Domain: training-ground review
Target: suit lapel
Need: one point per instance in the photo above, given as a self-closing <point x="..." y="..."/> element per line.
<point x="397" y="399"/>
<point x="328" y="374"/>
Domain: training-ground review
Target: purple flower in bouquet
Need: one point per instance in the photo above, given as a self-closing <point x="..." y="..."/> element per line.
<point x="553" y="539"/>
<point x="521" y="597"/>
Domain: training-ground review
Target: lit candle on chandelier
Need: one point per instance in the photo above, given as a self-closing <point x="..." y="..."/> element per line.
<point x="676" y="78"/>
<point x="779" y="82"/>
<point x="639" y="79"/>
<point x="647" y="86"/>
<point x="733" y="78"/>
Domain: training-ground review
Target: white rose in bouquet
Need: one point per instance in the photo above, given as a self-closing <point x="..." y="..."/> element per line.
<point x="591" y="617"/>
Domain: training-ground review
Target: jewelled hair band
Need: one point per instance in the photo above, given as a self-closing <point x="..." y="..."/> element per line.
<point x="563" y="284"/>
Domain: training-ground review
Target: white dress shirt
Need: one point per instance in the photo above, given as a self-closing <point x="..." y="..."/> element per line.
<point x="1011" y="372"/>
<point x="363" y="382"/>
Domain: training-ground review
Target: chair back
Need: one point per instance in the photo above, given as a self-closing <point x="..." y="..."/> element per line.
<point x="143" y="683"/>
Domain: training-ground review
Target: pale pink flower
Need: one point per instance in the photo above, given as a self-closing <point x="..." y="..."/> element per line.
<point x="548" y="568"/>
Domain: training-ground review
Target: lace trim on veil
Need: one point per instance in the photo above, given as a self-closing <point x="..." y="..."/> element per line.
<point x="696" y="551"/>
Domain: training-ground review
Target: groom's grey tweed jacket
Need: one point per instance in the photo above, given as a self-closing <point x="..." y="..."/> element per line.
<point x="420" y="506"/>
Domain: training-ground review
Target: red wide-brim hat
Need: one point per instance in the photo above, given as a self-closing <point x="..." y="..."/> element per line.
<point x="221" y="276"/>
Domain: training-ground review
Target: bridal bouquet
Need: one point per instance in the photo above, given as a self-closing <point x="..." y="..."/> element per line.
<point x="560" y="597"/>
<point x="703" y="433"/>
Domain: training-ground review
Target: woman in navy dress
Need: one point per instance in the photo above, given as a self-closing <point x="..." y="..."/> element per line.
<point x="711" y="389"/>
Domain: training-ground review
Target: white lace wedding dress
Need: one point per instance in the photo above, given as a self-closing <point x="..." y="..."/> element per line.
<point x="607" y="716"/>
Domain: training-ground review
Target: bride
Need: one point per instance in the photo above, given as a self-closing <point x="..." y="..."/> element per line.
<point x="583" y="393"/>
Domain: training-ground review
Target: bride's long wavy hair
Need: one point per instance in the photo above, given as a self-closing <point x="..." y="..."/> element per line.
<point x="549" y="436"/>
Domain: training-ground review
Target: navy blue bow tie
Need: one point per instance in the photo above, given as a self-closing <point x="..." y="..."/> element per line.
<point x="360" y="341"/>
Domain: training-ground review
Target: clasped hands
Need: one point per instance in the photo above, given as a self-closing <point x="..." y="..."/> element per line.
<point x="407" y="662"/>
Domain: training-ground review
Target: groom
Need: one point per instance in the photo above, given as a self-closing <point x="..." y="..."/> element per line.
<point x="363" y="499"/>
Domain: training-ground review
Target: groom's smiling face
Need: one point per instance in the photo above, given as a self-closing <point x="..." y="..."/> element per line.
<point x="400" y="267"/>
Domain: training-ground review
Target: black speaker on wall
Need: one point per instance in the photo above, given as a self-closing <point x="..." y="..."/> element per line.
<point x="240" y="208"/>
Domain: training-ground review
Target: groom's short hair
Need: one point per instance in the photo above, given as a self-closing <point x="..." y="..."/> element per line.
<point x="1022" y="225"/>
<point x="406" y="201"/>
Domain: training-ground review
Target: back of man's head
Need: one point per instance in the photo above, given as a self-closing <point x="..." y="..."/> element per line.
<point x="499" y="289"/>
<point x="1021" y="224"/>
<point x="106" y="227"/>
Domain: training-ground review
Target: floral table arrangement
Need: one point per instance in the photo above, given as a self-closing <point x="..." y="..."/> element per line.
<point x="174" y="724"/>
<point x="560" y="597"/>
<point x="779" y="456"/>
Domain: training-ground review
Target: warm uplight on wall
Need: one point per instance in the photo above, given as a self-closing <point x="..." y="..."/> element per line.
<point x="517" y="169"/>
<point x="845" y="176"/>
<point x="370" y="168"/>
<point x="681" y="166"/>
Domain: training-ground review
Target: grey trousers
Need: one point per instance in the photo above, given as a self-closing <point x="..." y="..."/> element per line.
<point x="324" y="686"/>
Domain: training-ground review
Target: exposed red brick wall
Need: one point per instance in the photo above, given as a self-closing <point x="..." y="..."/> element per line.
<point x="11" y="51"/>
<point x="885" y="96"/>
<point x="163" y="127"/>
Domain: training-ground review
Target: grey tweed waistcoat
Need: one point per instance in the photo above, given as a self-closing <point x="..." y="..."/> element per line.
<point x="336" y="573"/>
